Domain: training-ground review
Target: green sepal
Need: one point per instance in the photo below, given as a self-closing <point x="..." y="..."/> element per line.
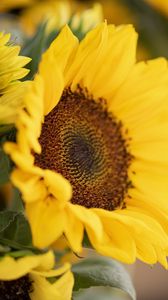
<point x="104" y="272"/>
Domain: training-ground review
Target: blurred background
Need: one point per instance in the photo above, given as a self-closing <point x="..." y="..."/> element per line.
<point x="150" y="18"/>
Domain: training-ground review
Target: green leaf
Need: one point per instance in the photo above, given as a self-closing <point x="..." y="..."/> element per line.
<point x="34" y="48"/>
<point x="15" y="230"/>
<point x="6" y="218"/>
<point x="5" y="167"/>
<point x="102" y="271"/>
<point x="20" y="253"/>
<point x="100" y="293"/>
<point x="17" y="203"/>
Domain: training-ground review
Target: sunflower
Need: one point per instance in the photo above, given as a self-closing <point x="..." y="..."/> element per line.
<point x="92" y="152"/>
<point x="28" y="278"/>
<point x="11" y="70"/>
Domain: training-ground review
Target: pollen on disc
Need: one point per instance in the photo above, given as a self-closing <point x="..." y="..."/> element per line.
<point x="84" y="143"/>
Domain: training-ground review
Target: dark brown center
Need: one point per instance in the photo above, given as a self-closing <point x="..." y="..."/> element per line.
<point x="18" y="289"/>
<point x="84" y="143"/>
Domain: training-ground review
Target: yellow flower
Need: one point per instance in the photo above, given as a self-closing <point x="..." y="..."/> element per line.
<point x="161" y="5"/>
<point x="28" y="277"/>
<point x="58" y="13"/>
<point x="11" y="89"/>
<point x="92" y="150"/>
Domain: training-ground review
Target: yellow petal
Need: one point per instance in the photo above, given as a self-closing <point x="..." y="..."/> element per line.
<point x="11" y="269"/>
<point x="58" y="186"/>
<point x="117" y="241"/>
<point x="43" y="290"/>
<point x="90" y="220"/>
<point x="53" y="64"/>
<point x="142" y="225"/>
<point x="112" y="49"/>
<point x="52" y="273"/>
<point x="46" y="221"/>
<point x="132" y="105"/>
<point x="65" y="285"/>
<point x="28" y="182"/>
<point x="74" y="231"/>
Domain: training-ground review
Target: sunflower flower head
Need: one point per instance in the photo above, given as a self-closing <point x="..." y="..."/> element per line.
<point x="11" y="89"/>
<point x="29" y="278"/>
<point x="89" y="156"/>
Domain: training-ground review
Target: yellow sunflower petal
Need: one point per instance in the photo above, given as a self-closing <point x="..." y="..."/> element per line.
<point x="144" y="225"/>
<point x="118" y="44"/>
<point x="62" y="190"/>
<point x="151" y="95"/>
<point x="46" y="221"/>
<point x="65" y="285"/>
<point x="74" y="231"/>
<point x="43" y="290"/>
<point x="59" y="290"/>
<point x="145" y="251"/>
<point x="162" y="257"/>
<point x="144" y="206"/>
<point x="53" y="64"/>
<point x="11" y="269"/>
<point x="11" y="90"/>
<point x="27" y="182"/>
<point x="117" y="241"/>
<point x="152" y="184"/>
<point x="91" y="220"/>
<point x="51" y="273"/>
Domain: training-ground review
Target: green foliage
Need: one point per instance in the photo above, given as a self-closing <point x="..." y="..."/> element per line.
<point x="151" y="25"/>
<point x="5" y="128"/>
<point x="17" y="203"/>
<point x="5" y="167"/>
<point x="101" y="293"/>
<point x="15" y="230"/>
<point x="34" y="48"/>
<point x="5" y="163"/>
<point x="101" y="272"/>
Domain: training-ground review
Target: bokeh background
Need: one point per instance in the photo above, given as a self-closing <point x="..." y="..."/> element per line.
<point x="150" y="18"/>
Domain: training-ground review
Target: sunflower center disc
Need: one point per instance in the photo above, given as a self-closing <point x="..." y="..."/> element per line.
<point x="18" y="289"/>
<point x="84" y="143"/>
